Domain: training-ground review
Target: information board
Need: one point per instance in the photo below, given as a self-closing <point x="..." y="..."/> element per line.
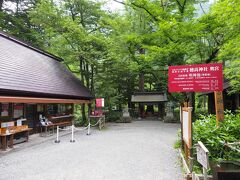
<point x="195" y="78"/>
<point x="202" y="155"/>
<point x="187" y="126"/>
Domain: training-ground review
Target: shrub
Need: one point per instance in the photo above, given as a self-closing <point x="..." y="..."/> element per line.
<point x="113" y="116"/>
<point x="212" y="136"/>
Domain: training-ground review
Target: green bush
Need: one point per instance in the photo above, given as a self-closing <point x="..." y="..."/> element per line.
<point x="113" y="116"/>
<point x="212" y="136"/>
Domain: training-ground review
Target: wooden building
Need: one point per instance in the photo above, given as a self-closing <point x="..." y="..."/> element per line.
<point x="150" y="104"/>
<point x="35" y="83"/>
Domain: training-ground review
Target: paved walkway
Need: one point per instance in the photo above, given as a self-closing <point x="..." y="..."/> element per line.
<point x="141" y="150"/>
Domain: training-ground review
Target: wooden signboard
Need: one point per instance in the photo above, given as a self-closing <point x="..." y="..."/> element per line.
<point x="202" y="157"/>
<point x="219" y="105"/>
<point x="187" y="126"/>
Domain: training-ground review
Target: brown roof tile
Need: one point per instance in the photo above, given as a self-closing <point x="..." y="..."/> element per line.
<point x="28" y="71"/>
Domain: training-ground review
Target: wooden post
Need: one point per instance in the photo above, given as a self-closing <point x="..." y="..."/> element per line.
<point x="181" y="117"/>
<point x="219" y="106"/>
<point x="187" y="132"/>
<point x="202" y="157"/>
<point x="205" y="173"/>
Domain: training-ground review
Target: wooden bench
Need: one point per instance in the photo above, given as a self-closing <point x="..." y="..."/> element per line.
<point x="52" y="127"/>
<point x="4" y="137"/>
<point x="44" y="129"/>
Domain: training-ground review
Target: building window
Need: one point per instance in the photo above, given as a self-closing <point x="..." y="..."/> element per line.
<point x="17" y="110"/>
<point x="40" y="108"/>
<point x="61" y="109"/>
<point x="4" y="109"/>
<point x="52" y="109"/>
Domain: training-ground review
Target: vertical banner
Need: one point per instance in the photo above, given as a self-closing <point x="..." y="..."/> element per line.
<point x="99" y="102"/>
<point x="219" y="105"/>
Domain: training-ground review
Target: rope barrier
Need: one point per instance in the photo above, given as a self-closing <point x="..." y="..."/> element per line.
<point x="78" y="129"/>
<point x="88" y="128"/>
<point x="60" y="129"/>
<point x="97" y="122"/>
<point x="72" y="140"/>
<point x="72" y="132"/>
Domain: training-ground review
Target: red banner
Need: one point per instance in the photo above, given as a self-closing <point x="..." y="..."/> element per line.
<point x="99" y="102"/>
<point x="195" y="78"/>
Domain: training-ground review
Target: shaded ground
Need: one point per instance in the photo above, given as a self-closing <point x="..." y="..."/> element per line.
<point x="141" y="150"/>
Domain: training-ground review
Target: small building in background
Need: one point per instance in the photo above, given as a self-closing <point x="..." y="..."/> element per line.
<point x="149" y="104"/>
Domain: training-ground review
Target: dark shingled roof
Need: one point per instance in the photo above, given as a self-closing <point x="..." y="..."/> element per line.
<point x="31" y="72"/>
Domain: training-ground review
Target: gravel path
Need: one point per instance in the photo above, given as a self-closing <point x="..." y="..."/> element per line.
<point x="141" y="150"/>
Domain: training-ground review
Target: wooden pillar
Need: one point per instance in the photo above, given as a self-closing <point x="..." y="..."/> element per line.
<point x="219" y="106"/>
<point x="237" y="100"/>
<point x="141" y="82"/>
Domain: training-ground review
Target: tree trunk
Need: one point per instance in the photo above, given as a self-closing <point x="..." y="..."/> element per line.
<point x="91" y="84"/>
<point x="141" y="82"/>
<point x="1" y="5"/>
<point x="82" y="70"/>
<point x="192" y="102"/>
<point x="87" y="77"/>
<point x="141" y="87"/>
<point x="92" y="81"/>
<point x="81" y="67"/>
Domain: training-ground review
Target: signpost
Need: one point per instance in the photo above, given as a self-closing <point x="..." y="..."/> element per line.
<point x="195" y="78"/>
<point x="186" y="126"/>
<point x="202" y="157"/>
<point x="219" y="106"/>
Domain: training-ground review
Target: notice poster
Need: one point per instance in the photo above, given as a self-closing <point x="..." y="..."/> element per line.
<point x="7" y="124"/>
<point x="195" y="78"/>
<point x="18" y="110"/>
<point x="187" y="127"/>
<point x="100" y="102"/>
<point x="4" y="109"/>
<point x="19" y="122"/>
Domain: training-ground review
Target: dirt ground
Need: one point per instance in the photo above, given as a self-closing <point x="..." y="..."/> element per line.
<point x="141" y="150"/>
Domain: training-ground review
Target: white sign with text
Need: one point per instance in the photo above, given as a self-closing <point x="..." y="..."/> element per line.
<point x="202" y="155"/>
<point x="186" y="128"/>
